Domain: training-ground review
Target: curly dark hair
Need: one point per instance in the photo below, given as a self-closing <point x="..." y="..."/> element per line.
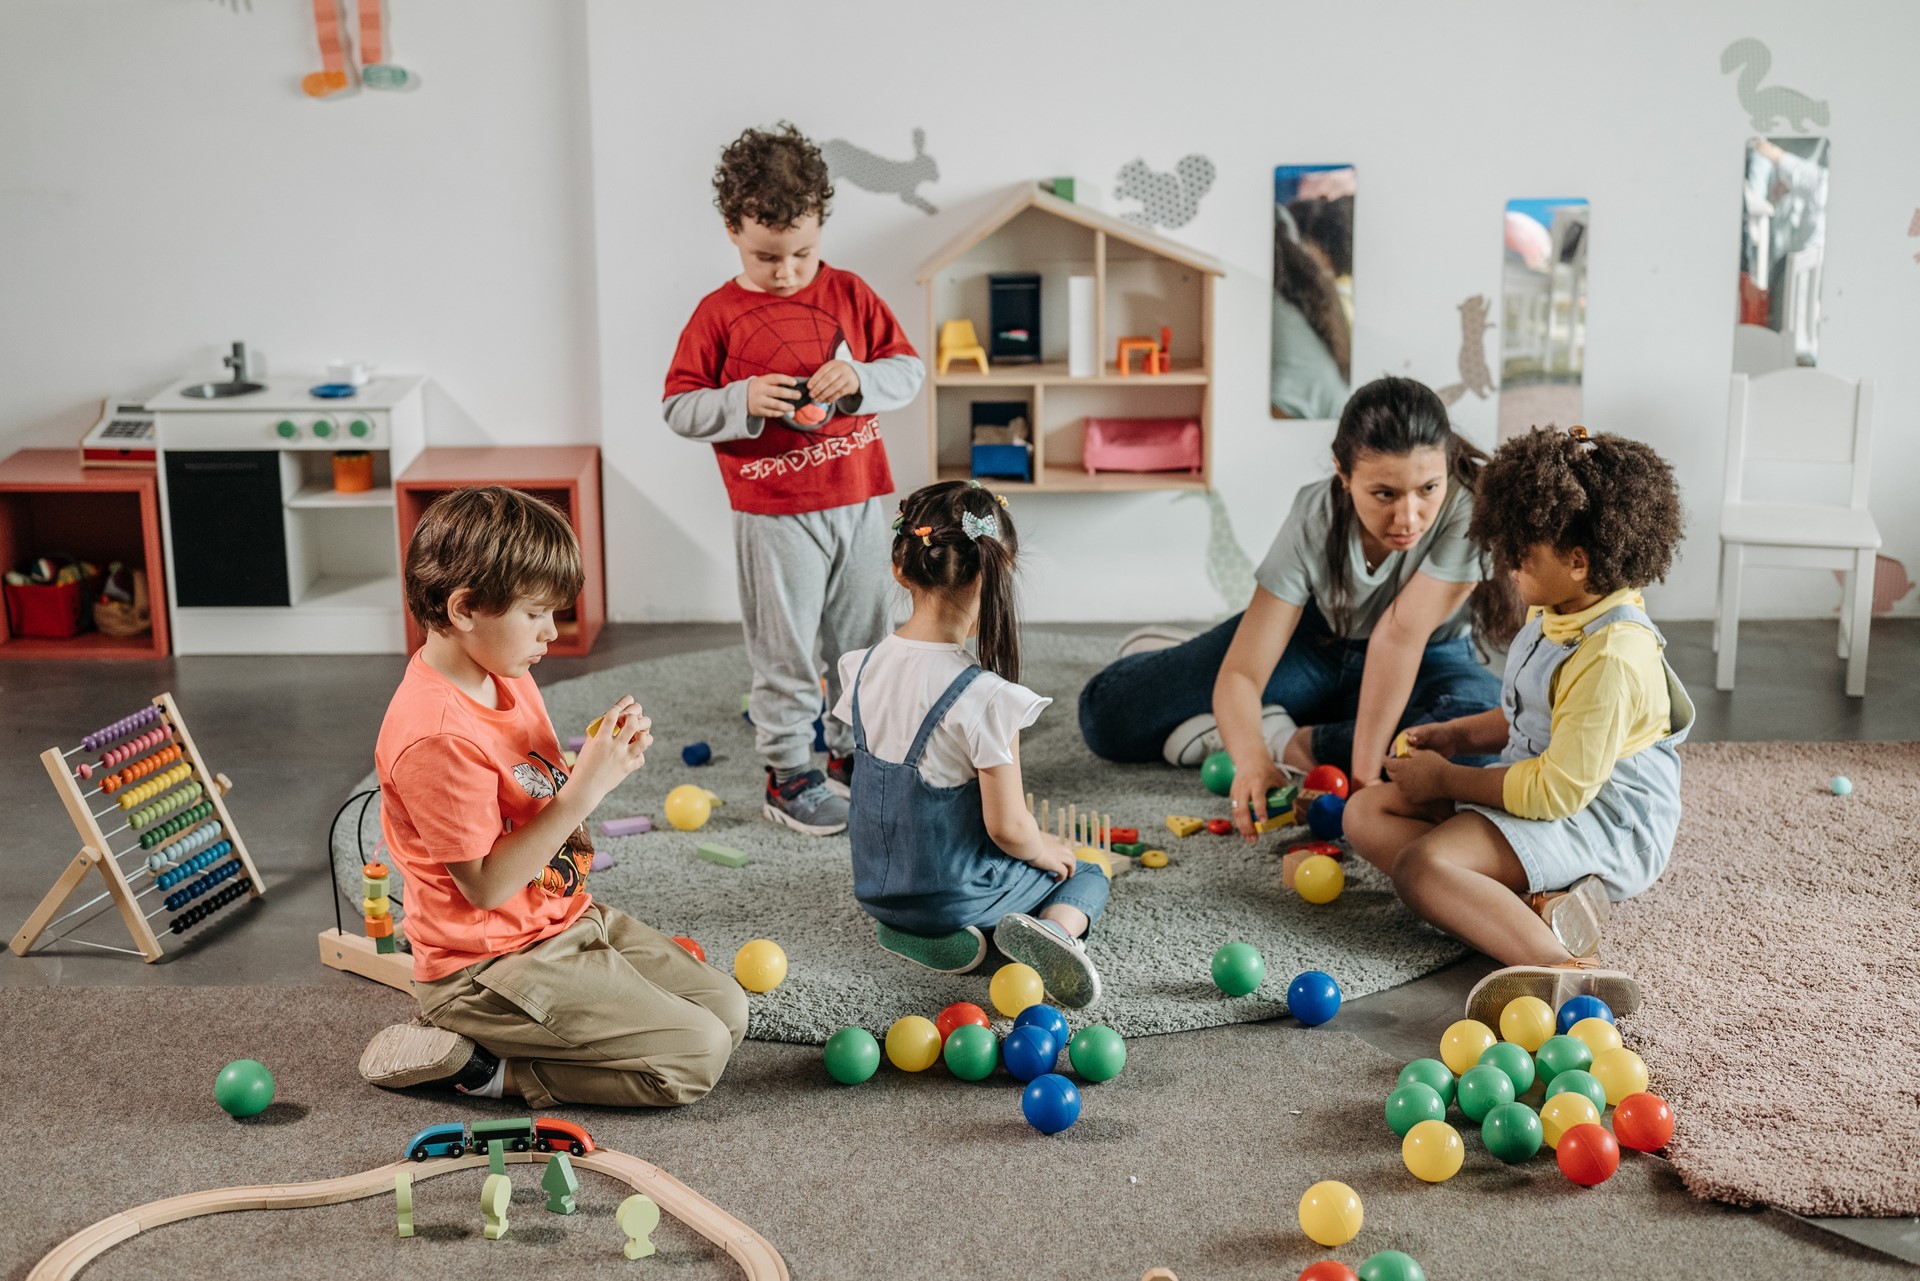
<point x="775" y="177"/>
<point x="1612" y="497"/>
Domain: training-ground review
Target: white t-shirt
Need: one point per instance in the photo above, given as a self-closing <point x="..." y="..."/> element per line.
<point x="901" y="685"/>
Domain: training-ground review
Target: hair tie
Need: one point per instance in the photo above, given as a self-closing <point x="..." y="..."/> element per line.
<point x="922" y="534"/>
<point x="977" y="527"/>
<point x="899" y="518"/>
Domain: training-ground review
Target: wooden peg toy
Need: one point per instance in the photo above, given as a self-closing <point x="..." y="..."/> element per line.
<point x="560" y="1183"/>
<point x="494" y="1196"/>
<point x="638" y="1216"/>
<point x="403" y="1200"/>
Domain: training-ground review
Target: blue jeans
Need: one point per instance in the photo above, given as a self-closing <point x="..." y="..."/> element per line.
<point x="1128" y="708"/>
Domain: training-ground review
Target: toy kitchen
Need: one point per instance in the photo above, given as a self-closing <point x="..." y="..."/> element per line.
<point x="277" y="509"/>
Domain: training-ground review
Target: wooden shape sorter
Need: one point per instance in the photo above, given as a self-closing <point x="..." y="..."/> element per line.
<point x="183" y="844"/>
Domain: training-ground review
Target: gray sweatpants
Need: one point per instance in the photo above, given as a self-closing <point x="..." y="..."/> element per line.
<point x="812" y="586"/>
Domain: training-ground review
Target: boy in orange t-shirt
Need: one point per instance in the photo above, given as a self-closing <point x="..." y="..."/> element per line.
<point x="528" y="987"/>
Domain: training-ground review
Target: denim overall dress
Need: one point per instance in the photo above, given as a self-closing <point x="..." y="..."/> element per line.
<point x="922" y="859"/>
<point x="1624" y="835"/>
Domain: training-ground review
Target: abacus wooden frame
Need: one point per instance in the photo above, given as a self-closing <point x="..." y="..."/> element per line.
<point x="96" y="852"/>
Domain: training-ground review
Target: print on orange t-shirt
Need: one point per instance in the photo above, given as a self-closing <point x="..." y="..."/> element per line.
<point x="455" y="777"/>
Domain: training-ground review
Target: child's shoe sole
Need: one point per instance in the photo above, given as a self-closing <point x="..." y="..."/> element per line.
<point x="1579" y="915"/>
<point x="774" y="814"/>
<point x="1554" y="984"/>
<point x="1063" y="964"/>
<point x="957" y="953"/>
<point x="412" y="1054"/>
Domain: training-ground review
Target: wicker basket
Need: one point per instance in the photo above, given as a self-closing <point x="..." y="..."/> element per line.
<point x="125" y="618"/>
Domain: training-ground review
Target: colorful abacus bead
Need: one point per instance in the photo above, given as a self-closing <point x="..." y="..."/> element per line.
<point x="200" y="912"/>
<point x="150" y="839"/>
<point x="181" y="897"/>
<point x="172" y="877"/>
<point x="188" y="845"/>
<point x="165" y="805"/>
<point x="119" y="729"/>
<point x="140" y="769"/>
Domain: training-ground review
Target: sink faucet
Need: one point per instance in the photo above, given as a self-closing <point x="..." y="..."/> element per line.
<point x="237" y="362"/>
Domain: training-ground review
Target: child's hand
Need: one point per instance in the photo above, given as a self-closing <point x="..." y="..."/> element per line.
<point x="833" y="382"/>
<point x="1421" y="777"/>
<point x="772" y="395"/>
<point x="1248" y="799"/>
<point x="1442" y="737"/>
<point x="1055" y="857"/>
<point x="615" y="751"/>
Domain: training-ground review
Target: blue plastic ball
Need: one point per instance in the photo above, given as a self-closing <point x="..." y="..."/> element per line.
<point x="696" y="754"/>
<point x="1029" y="1052"/>
<point x="1581" y="1007"/>
<point x="1045" y="1016"/>
<point x="1051" y="1103"/>
<point x="1327" y="816"/>
<point x="1841" y="785"/>
<point x="1313" y="997"/>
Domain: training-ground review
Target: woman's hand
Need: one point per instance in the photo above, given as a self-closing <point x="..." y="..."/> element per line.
<point x="1422" y="776"/>
<point x="1252" y="780"/>
<point x="1055" y="857"/>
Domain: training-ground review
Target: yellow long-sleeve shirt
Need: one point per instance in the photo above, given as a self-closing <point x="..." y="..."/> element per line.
<point x="1609" y="701"/>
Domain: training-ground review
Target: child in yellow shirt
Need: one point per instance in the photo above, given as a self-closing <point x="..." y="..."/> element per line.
<point x="1524" y="859"/>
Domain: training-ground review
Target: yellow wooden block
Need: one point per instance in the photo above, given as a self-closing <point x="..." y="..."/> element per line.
<point x="1154" y="858"/>
<point x="1274" y="822"/>
<point x="1087" y="854"/>
<point x="1180" y="826"/>
<point x="377" y="906"/>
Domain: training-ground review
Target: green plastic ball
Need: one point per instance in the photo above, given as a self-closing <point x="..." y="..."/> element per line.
<point x="1097" y="1053"/>
<point x="1216" y="773"/>
<point x="1841" y="785"/>
<point x="972" y="1052"/>
<point x="243" y="1088"/>
<point x="1238" y="968"/>
<point x="1514" y="1061"/>
<point x="852" y="1055"/>
<point x="1511" y="1132"/>
<point x="1559" y="1054"/>
<point x="1411" y="1104"/>
<point x="1391" y="1265"/>
<point x="1580" y="1081"/>
<point x="1482" y="1089"/>
<point x="1431" y="1073"/>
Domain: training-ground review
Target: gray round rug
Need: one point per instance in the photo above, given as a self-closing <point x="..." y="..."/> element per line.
<point x="1153" y="947"/>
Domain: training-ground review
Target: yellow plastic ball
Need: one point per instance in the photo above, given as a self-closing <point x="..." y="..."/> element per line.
<point x="760" y="965"/>
<point x="1433" y="1151"/>
<point x="913" y="1043"/>
<point x="1599" y="1035"/>
<point x="1620" y="1072"/>
<point x="1462" y="1044"/>
<point x="1527" y="1022"/>
<point x="1319" y="879"/>
<point x="1330" y="1213"/>
<point x="689" y="807"/>
<point x="1561" y="1112"/>
<point x="1153" y="858"/>
<point x="1014" y="988"/>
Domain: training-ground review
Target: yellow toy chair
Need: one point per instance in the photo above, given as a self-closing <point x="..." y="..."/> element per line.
<point x="959" y="342"/>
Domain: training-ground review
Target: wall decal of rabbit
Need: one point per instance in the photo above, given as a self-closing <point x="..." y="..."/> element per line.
<point x="872" y="172"/>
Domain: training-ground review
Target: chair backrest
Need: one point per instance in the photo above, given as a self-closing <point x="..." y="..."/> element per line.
<point x="1760" y="350"/>
<point x="957" y="334"/>
<point x="1800" y="415"/>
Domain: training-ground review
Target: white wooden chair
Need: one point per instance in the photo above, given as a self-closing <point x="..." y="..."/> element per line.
<point x="1759" y="350"/>
<point x="1804" y="416"/>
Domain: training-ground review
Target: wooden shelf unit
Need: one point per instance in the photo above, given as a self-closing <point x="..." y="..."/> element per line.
<point x="51" y="505"/>
<point x="1141" y="282"/>
<point x="568" y="476"/>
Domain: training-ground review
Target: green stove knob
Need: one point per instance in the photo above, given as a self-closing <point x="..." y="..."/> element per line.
<point x="360" y="427"/>
<point x="287" y="429"/>
<point x="322" y="428"/>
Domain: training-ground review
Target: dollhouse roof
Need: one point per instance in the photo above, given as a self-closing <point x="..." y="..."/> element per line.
<point x="1028" y="195"/>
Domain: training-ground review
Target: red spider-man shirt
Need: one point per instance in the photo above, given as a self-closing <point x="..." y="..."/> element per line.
<point x="736" y="334"/>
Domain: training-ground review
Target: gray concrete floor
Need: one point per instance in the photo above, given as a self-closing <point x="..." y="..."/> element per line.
<point x="294" y="734"/>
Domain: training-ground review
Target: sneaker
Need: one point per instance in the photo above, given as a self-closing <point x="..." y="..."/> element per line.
<point x="1062" y="962"/>
<point x="840" y="774"/>
<point x="420" y="1054"/>
<point x="957" y="953"/>
<point x="1144" y="640"/>
<point x="804" y="804"/>
<point x="1554" y="984"/>
<point x="1577" y="913"/>
<point x="1198" y="737"/>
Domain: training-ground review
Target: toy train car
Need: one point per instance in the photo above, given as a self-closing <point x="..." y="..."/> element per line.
<point x="516" y="1134"/>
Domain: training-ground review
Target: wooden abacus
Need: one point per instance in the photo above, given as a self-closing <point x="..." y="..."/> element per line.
<point x="186" y="843"/>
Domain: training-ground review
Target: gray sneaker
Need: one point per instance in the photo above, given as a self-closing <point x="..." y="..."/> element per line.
<point x="804" y="804"/>
<point x="1144" y="640"/>
<point x="1062" y="962"/>
<point x="957" y="953"/>
<point x="1198" y="737"/>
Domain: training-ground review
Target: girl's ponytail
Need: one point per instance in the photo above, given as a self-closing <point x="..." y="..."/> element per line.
<point x="999" y="623"/>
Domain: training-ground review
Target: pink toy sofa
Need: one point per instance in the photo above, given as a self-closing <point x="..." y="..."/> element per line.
<point x="1142" y="444"/>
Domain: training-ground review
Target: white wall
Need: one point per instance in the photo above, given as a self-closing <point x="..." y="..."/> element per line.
<point x="165" y="189"/>
<point x="1447" y="118"/>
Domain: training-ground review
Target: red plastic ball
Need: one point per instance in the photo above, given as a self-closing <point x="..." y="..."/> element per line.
<point x="1220" y="826"/>
<point x="1643" y="1122"/>
<point x="691" y="947"/>
<point x="1329" y="1270"/>
<point x="960" y="1014"/>
<point x="1588" y="1154"/>
<point x="1325" y="778"/>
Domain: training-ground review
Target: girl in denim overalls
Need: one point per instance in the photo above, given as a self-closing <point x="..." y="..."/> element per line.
<point x="943" y="845"/>
<point x="1524" y="859"/>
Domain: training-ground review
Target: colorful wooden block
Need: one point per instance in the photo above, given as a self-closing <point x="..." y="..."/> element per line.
<point x="379" y="927"/>
<point x="725" y="855"/>
<point x="1132" y="849"/>
<point x="1274" y="822"/>
<point x="385" y="946"/>
<point x="638" y="1216"/>
<point x="495" y="1195"/>
<point x="403" y="1201"/>
<point x="1181" y="826"/>
<point x="377" y="906"/>
<point x="560" y="1184"/>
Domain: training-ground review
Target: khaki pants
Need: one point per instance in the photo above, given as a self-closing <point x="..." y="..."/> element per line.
<point x="607" y="1011"/>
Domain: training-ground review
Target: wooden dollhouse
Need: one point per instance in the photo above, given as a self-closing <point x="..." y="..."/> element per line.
<point x="1141" y="284"/>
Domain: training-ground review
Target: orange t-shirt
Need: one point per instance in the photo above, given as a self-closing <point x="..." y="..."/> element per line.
<point x="454" y="778"/>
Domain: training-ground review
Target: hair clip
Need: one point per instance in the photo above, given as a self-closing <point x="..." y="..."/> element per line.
<point x="922" y="532"/>
<point x="899" y="518"/>
<point x="976" y="527"/>
<point x="974" y="484"/>
<point x="1580" y="438"/>
<point x="1002" y="500"/>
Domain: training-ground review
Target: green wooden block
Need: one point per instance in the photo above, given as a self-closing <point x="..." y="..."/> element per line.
<point x="560" y="1183"/>
<point x="1062" y="187"/>
<point x="403" y="1201"/>
<point x="1281" y="798"/>
<point x="497" y="1157"/>
<point x="725" y="855"/>
<point x="1132" y="849"/>
<point x="384" y="945"/>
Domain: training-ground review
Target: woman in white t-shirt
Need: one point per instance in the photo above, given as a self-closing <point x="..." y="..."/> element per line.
<point x="1362" y="623"/>
<point x="943" y="844"/>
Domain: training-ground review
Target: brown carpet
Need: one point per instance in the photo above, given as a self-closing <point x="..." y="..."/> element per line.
<point x="1780" y="955"/>
<point x="1193" y="1158"/>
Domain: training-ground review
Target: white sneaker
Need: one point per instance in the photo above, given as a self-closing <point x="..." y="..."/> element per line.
<point x="1144" y="640"/>
<point x="1198" y="737"/>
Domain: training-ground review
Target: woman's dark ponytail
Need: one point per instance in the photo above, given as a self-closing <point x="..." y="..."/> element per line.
<point x="953" y="534"/>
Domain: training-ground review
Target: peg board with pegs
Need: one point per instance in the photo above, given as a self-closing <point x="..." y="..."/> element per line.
<point x="163" y="830"/>
<point x="1090" y="834"/>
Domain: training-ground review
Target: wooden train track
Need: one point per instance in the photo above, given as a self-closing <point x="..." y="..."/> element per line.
<point x="755" y="1255"/>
